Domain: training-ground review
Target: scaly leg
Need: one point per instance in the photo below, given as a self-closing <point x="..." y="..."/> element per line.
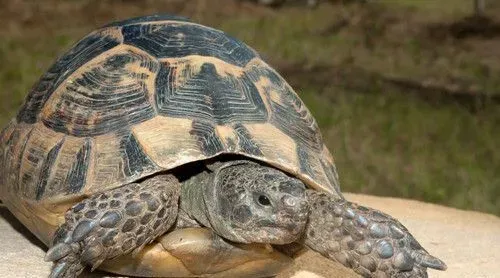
<point x="370" y="242"/>
<point x="113" y="223"/>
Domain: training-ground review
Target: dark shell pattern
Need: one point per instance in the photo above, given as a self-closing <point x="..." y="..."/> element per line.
<point x="149" y="94"/>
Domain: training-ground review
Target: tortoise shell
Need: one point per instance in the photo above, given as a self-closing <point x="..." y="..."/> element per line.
<point x="148" y="94"/>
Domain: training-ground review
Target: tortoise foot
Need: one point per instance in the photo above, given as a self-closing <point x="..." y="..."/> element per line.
<point x="113" y="223"/>
<point x="199" y="252"/>
<point x="370" y="242"/>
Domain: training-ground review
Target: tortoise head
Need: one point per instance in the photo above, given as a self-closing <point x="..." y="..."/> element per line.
<point x="249" y="202"/>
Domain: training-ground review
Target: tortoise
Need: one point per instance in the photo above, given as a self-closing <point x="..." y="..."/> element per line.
<point x="157" y="146"/>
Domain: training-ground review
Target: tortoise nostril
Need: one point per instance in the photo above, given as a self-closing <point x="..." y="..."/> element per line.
<point x="289" y="201"/>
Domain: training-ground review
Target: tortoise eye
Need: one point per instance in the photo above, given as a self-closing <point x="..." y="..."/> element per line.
<point x="264" y="201"/>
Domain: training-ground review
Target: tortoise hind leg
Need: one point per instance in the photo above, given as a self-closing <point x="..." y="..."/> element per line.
<point x="370" y="242"/>
<point x="113" y="223"/>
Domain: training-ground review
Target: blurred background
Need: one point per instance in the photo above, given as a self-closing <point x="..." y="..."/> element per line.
<point x="406" y="92"/>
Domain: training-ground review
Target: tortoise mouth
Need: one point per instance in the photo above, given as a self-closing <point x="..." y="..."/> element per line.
<point x="280" y="235"/>
<point x="287" y="225"/>
<point x="276" y="233"/>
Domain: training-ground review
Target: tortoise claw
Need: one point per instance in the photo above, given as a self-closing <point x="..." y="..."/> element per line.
<point x="66" y="269"/>
<point x="58" y="270"/>
<point x="429" y="261"/>
<point x="57" y="252"/>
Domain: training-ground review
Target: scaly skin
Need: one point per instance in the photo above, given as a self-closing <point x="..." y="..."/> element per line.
<point x="113" y="223"/>
<point x="243" y="202"/>
<point x="240" y="200"/>
<point x="246" y="202"/>
<point x="370" y="242"/>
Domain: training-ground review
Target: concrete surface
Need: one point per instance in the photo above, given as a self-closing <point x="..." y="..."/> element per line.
<point x="469" y="243"/>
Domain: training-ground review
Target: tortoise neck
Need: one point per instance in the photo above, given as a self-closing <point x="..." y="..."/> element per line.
<point x="192" y="199"/>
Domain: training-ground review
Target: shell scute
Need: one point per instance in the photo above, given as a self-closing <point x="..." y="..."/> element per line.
<point x="204" y="93"/>
<point x="148" y="18"/>
<point x="65" y="164"/>
<point x="14" y="139"/>
<point x="134" y="159"/>
<point x="179" y="39"/>
<point x="77" y="176"/>
<point x="289" y="113"/>
<point x="108" y="93"/>
<point x="246" y="141"/>
<point x="46" y="169"/>
<point x="86" y="49"/>
<point x="119" y="158"/>
<point x="207" y="138"/>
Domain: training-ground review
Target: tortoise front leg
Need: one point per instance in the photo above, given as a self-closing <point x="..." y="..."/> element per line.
<point x="113" y="223"/>
<point x="370" y="242"/>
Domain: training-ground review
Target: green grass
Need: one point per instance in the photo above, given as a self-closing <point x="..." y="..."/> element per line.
<point x="385" y="141"/>
<point x="390" y="144"/>
<point x="399" y="146"/>
<point x="23" y="62"/>
<point x="439" y="8"/>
